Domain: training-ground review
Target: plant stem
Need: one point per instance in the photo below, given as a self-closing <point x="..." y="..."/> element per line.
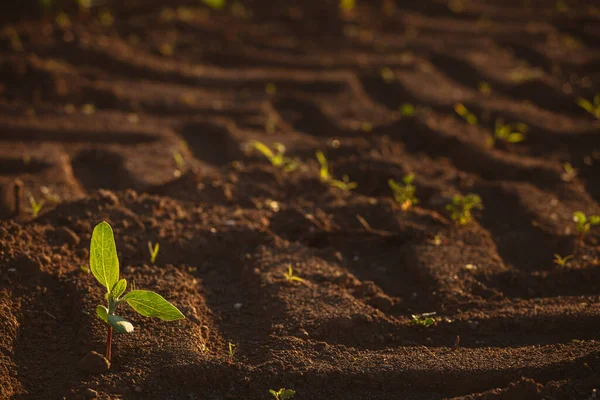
<point x="109" y="343"/>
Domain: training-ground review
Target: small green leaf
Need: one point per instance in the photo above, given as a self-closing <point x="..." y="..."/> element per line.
<point x="119" y="288"/>
<point x="152" y="304"/>
<point x="515" y="137"/>
<point x="102" y="313"/>
<point x="579" y="217"/>
<point x="594" y="219"/>
<point x="120" y="324"/>
<point x="287" y="394"/>
<point x="103" y="256"/>
<point x="585" y="104"/>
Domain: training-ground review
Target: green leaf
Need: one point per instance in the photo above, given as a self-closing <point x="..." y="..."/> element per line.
<point x="152" y="304"/>
<point x="102" y="313"/>
<point x="103" y="256"/>
<point x="119" y="288"/>
<point x="120" y="324"/>
<point x="287" y="394"/>
<point x="579" y="217"/>
<point x="594" y="219"/>
<point x="515" y="137"/>
<point x="585" y="104"/>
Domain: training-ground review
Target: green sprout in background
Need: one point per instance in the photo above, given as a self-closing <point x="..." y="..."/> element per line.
<point x="232" y="349"/>
<point x="36" y="206"/>
<point x="215" y="4"/>
<point x="153" y="251"/>
<point x="510" y="133"/>
<point x="104" y="265"/>
<point x="347" y="5"/>
<point x="424" y="320"/>
<point x="569" y="173"/>
<point x="345" y="184"/>
<point x="461" y="207"/>
<point x="290" y="277"/>
<point x="589" y="106"/>
<point x="562" y="261"/>
<point x="461" y="110"/>
<point x="276" y="157"/>
<point x="407" y="110"/>
<point x="404" y="193"/>
<point x="583" y="223"/>
<point x="282" y="394"/>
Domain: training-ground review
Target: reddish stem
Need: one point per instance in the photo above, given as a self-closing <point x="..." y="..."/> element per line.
<point x="109" y="343"/>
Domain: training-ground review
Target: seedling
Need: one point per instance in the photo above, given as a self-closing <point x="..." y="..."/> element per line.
<point x="277" y="157"/>
<point x="153" y="251"/>
<point x="283" y="394"/>
<point x="461" y="206"/>
<point x="289" y="275"/>
<point x="484" y="88"/>
<point x="104" y="265"/>
<point x="387" y="74"/>
<point x="178" y="155"/>
<point x="407" y="110"/>
<point x="326" y="177"/>
<point x="347" y="5"/>
<point x="569" y="172"/>
<point x="583" y="223"/>
<point x="423" y="320"/>
<point x="592" y="108"/>
<point x="562" y="261"/>
<point x="404" y="193"/>
<point x="215" y="4"/>
<point x="232" y="350"/>
<point x="510" y="133"/>
<point x="461" y="110"/>
<point x="36" y="206"/>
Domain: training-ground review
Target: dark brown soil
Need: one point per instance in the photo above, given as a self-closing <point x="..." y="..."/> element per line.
<point x="91" y="114"/>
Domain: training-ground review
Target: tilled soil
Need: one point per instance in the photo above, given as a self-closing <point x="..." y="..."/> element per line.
<point x="94" y="107"/>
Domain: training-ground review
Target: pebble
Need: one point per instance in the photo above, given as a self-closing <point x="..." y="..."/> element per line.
<point x="94" y="363"/>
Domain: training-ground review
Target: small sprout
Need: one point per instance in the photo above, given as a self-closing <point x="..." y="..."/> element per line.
<point x="277" y="158"/>
<point x="347" y="5"/>
<point x="153" y="251"/>
<point x="215" y="4"/>
<point x="345" y="184"/>
<point x="270" y="89"/>
<point x="461" y="206"/>
<point x="104" y="265"/>
<point x="178" y="156"/>
<point x="50" y="195"/>
<point x="166" y="49"/>
<point x="569" y="172"/>
<point x="36" y="206"/>
<point x="423" y="320"/>
<point x="510" y="133"/>
<point x="461" y="110"/>
<point x="592" y="108"/>
<point x="407" y="110"/>
<point x="404" y="193"/>
<point x="283" y="394"/>
<point x="484" y="88"/>
<point x="232" y="350"/>
<point x="85" y="269"/>
<point x="63" y="21"/>
<point x="366" y="127"/>
<point x="387" y="74"/>
<point x="562" y="261"/>
<point x="584" y="223"/>
<point x="106" y="18"/>
<point x="290" y="277"/>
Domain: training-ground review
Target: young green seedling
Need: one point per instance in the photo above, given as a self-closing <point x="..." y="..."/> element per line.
<point x="421" y="320"/>
<point x="510" y="133"/>
<point x="583" y="223"/>
<point x="347" y="5"/>
<point x="153" y="251"/>
<point x="461" y="206"/>
<point x="104" y="265"/>
<point x="592" y="108"/>
<point x="569" y="172"/>
<point x="562" y="261"/>
<point x="404" y="193"/>
<point x="36" y="206"/>
<point x="407" y="110"/>
<point x="232" y="350"/>
<point x="215" y="4"/>
<point x="289" y="275"/>
<point x="345" y="184"/>
<point x="461" y="110"/>
<point x="178" y="155"/>
<point x="277" y="158"/>
<point x="283" y="394"/>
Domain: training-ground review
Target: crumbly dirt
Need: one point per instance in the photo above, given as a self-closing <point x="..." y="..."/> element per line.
<point x="93" y="108"/>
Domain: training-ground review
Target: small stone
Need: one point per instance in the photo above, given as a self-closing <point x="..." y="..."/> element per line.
<point x="90" y="393"/>
<point x="382" y="302"/>
<point x="66" y="235"/>
<point x="94" y="363"/>
<point x="237" y="306"/>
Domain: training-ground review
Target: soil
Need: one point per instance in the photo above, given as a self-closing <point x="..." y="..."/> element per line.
<point x="93" y="107"/>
